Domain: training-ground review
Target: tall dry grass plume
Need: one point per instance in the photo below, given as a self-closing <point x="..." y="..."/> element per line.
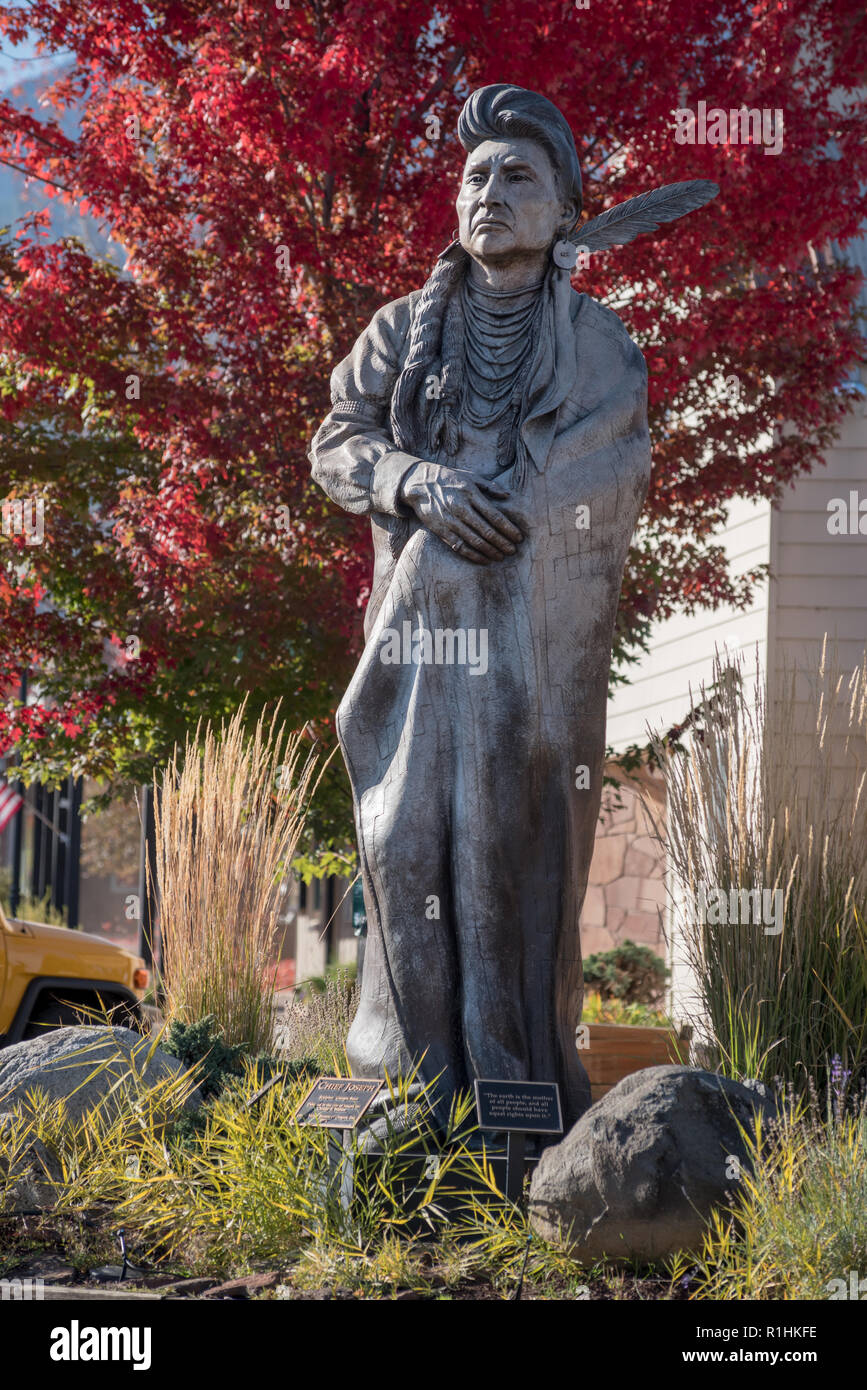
<point x="229" y="815"/>
<point x="775" y="799"/>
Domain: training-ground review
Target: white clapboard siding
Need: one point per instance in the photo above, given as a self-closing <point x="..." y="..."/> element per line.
<point x="802" y="625"/>
<point x="821" y="579"/>
<point x="802" y="528"/>
<point x="682" y="648"/>
<point x="814" y="560"/>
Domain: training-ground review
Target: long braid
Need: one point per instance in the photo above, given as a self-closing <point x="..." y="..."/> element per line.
<point x="425" y="345"/>
<point x="445" y="426"/>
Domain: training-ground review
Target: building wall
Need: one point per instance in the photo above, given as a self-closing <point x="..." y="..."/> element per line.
<point x="820" y="582"/>
<point x="627" y="895"/>
<point x="682" y="649"/>
<point x="626" y="890"/>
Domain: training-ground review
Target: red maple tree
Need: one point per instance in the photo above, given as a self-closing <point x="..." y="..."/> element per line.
<point x="273" y="174"/>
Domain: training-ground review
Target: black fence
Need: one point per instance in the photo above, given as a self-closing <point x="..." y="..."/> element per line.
<point x="45" y="855"/>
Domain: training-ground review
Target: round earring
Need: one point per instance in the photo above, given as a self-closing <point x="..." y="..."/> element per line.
<point x="565" y="254"/>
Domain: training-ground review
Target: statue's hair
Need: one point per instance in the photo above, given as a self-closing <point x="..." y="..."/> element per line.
<point x="490" y="113"/>
<point x="424" y="346"/>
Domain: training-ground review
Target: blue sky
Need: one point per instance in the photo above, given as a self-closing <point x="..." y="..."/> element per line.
<point x="20" y="62"/>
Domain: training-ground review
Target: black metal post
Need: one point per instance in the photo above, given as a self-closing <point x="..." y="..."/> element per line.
<point x="36" y="859"/>
<point x="59" y="821"/>
<point x="72" y="883"/>
<point x="40" y="842"/>
<point x="18" y="828"/>
<point x="44" y="829"/>
<point x="17" y="846"/>
<point x="515" y="1144"/>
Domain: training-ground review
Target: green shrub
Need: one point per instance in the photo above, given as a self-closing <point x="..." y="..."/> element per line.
<point x="222" y="1067"/>
<point x="631" y="973"/>
<point x="599" y="1010"/>
<point x="201" y="1044"/>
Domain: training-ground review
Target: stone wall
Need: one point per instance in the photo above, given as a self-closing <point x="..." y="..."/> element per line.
<point x="626" y="890"/>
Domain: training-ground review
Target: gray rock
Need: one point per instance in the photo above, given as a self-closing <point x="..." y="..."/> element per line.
<point x="638" y="1175"/>
<point x="89" y="1069"/>
<point x="50" y="1269"/>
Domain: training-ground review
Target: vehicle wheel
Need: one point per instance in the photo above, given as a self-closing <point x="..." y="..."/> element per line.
<point x="51" y="1014"/>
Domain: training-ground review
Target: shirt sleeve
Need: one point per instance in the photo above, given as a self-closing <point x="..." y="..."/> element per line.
<point x="353" y="455"/>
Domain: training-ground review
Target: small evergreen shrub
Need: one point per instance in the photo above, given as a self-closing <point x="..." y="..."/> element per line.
<point x="201" y="1044"/>
<point x="631" y="973"/>
<point x="222" y="1067"/>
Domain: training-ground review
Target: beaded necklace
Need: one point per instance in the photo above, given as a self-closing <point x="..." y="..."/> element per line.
<point x="500" y="334"/>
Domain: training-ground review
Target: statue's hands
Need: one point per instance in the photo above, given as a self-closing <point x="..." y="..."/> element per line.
<point x="458" y="507"/>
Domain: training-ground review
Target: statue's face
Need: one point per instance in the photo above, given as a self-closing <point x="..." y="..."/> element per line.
<point x="509" y="207"/>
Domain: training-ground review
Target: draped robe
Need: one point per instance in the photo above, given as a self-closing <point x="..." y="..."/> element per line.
<point x="474" y="815"/>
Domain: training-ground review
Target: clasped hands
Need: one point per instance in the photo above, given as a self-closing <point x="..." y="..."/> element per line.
<point x="464" y="510"/>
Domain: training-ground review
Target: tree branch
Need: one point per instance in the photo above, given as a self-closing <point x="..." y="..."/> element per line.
<point x="43" y="178"/>
<point x="434" y="90"/>
<point x="36" y="135"/>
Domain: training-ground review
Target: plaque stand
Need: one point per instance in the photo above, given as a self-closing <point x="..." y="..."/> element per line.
<point x="337" y="1103"/>
<point x="341" y="1165"/>
<point x="516" y="1140"/>
<point x="519" y="1108"/>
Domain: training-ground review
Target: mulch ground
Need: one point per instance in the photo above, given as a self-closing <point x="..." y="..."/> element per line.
<point x="78" y="1256"/>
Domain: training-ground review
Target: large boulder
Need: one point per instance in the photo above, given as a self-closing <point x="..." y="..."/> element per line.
<point x="638" y="1175"/>
<point x="92" y="1070"/>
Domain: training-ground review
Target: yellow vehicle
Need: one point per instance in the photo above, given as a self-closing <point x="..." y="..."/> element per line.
<point x="48" y="974"/>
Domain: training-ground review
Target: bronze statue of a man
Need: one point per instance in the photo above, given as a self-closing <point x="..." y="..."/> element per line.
<point x="493" y="425"/>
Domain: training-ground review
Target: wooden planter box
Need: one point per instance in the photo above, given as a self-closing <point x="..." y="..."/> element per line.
<point x="617" y="1049"/>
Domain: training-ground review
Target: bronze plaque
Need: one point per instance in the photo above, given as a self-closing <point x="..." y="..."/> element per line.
<point x="337" y="1102"/>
